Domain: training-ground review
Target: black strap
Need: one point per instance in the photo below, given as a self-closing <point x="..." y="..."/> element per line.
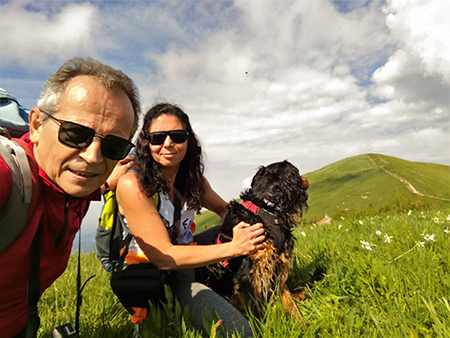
<point x="79" y="287"/>
<point x="116" y="236"/>
<point x="176" y="230"/>
<point x="33" y="288"/>
<point x="66" y="222"/>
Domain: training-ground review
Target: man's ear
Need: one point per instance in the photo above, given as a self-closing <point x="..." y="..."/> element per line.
<point x="35" y="124"/>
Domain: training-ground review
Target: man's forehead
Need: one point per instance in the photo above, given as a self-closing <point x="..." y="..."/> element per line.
<point x="80" y="87"/>
<point x="76" y="92"/>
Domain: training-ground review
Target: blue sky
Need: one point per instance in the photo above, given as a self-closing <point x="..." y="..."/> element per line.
<point x="309" y="81"/>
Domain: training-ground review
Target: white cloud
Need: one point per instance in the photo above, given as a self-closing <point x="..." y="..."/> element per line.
<point x="420" y="68"/>
<point x="264" y="81"/>
<point x="36" y="39"/>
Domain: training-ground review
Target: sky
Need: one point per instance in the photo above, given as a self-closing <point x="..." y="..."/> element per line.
<point x="312" y="81"/>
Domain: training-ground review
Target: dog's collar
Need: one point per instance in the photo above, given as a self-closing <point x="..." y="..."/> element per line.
<point x="250" y="206"/>
<point x="270" y="223"/>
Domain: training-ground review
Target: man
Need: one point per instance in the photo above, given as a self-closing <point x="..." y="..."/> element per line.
<point x="85" y="117"/>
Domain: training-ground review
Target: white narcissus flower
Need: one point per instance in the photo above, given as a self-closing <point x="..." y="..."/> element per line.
<point x="303" y="233"/>
<point x="429" y="238"/>
<point x="387" y="238"/>
<point x="378" y="232"/>
<point x="366" y="245"/>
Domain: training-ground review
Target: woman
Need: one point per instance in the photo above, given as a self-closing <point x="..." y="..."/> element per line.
<point x="169" y="157"/>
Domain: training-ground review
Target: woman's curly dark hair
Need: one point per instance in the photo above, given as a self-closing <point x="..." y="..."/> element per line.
<point x="189" y="181"/>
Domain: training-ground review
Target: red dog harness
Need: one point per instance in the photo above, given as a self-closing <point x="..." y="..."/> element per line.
<point x="250" y="206"/>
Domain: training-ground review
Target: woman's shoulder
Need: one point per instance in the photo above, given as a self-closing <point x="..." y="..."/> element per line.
<point x="128" y="181"/>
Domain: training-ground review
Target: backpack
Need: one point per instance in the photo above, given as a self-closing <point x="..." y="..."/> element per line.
<point x="14" y="123"/>
<point x="13" y="117"/>
<point x="13" y="217"/>
<point x="14" y="214"/>
<point x="108" y="244"/>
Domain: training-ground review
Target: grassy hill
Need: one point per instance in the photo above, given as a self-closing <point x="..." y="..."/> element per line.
<point x="384" y="276"/>
<point x="372" y="182"/>
<point x="368" y="184"/>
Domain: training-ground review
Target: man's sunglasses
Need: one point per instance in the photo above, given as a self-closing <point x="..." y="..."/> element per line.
<point x="76" y="136"/>
<point x="159" y="137"/>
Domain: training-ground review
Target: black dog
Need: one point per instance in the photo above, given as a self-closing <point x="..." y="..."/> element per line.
<point x="276" y="198"/>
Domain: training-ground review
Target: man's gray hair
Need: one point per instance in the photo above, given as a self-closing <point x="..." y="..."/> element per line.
<point x="112" y="79"/>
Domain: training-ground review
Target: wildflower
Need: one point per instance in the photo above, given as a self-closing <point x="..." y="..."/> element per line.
<point x="378" y="232"/>
<point x="446" y="231"/>
<point x="360" y="222"/>
<point x="387" y="238"/>
<point x="344" y="218"/>
<point x="409" y="213"/>
<point x="448" y="218"/>
<point x="436" y="220"/>
<point x="340" y="226"/>
<point x="420" y="244"/>
<point x="429" y="238"/>
<point x="303" y="233"/>
<point x="366" y="245"/>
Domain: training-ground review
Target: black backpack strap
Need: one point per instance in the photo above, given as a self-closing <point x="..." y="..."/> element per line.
<point x="116" y="237"/>
<point x="176" y="231"/>
<point x="117" y="242"/>
<point x="34" y="282"/>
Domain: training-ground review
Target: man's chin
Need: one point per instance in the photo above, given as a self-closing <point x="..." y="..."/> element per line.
<point x="79" y="191"/>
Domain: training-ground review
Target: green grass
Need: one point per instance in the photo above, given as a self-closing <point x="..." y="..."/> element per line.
<point x="428" y="178"/>
<point x="396" y="288"/>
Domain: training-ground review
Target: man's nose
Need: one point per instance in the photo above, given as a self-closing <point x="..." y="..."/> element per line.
<point x="93" y="153"/>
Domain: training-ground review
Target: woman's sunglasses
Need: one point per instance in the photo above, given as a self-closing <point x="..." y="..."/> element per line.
<point x="159" y="137"/>
<point x="76" y="136"/>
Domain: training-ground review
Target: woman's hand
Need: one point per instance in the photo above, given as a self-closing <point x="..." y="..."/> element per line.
<point x="119" y="170"/>
<point x="247" y="238"/>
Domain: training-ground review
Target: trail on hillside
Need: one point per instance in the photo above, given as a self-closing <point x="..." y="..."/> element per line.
<point x="405" y="182"/>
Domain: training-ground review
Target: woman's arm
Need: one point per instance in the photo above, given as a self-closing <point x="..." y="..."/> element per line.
<point x="212" y="201"/>
<point x="151" y="234"/>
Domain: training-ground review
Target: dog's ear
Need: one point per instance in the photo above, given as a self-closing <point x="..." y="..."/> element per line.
<point x="257" y="178"/>
<point x="305" y="182"/>
<point x="260" y="172"/>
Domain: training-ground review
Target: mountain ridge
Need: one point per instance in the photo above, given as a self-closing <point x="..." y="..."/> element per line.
<point x="368" y="183"/>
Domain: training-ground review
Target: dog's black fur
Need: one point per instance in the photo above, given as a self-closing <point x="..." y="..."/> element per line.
<point x="280" y="194"/>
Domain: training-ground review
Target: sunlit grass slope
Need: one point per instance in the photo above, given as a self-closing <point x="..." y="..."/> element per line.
<point x="383" y="276"/>
<point x="355" y="185"/>
<point x="428" y="178"/>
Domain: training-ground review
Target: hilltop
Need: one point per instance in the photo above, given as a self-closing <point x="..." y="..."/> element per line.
<point x="368" y="184"/>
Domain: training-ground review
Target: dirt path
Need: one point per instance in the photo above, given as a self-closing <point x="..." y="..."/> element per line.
<point x="405" y="182"/>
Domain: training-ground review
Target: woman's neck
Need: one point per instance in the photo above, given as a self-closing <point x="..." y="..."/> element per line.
<point x="170" y="175"/>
